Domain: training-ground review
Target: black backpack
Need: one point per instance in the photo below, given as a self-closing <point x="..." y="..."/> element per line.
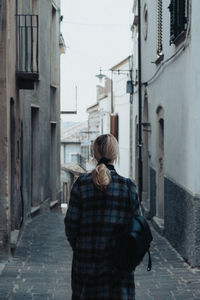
<point x="132" y="245"/>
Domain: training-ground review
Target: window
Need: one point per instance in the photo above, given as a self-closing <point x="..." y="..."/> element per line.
<point x="145" y="21"/>
<point x="178" y="20"/>
<point x="159" y="28"/>
<point x="54" y="47"/>
<point x="74" y="157"/>
<point x="114" y="125"/>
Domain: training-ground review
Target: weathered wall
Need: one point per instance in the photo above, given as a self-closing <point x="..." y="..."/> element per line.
<point x="4" y="147"/>
<point x="175" y="89"/>
<point x="11" y="213"/>
<point x="29" y="120"/>
<point x="43" y="105"/>
<point x="122" y="109"/>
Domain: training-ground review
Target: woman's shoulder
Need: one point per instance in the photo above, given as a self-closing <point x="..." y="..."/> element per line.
<point x="122" y="180"/>
<point x="84" y="177"/>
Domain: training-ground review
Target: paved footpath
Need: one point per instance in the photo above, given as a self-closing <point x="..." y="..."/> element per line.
<point x="42" y="264"/>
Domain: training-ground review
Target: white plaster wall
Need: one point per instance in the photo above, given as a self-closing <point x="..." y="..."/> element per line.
<point x="104" y="111"/>
<point x="122" y="108"/>
<point x="176" y="89"/>
<point x="194" y="82"/>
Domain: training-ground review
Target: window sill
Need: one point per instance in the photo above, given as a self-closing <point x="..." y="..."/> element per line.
<point x="35" y="210"/>
<point x="53" y="204"/>
<point x="54" y="85"/>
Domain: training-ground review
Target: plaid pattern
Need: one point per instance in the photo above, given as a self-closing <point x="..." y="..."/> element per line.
<point x="93" y="218"/>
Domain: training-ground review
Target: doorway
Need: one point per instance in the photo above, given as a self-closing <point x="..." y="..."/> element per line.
<point x="53" y="162"/>
<point x="12" y="161"/>
<point x="35" y="156"/>
<point x="145" y="154"/>
<point x="160" y="164"/>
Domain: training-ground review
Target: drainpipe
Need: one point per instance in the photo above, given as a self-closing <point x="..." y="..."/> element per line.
<point x="131" y="121"/>
<point x="140" y="175"/>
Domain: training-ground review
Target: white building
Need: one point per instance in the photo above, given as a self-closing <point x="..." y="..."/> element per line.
<point x="116" y="112"/>
<point x="71" y="141"/>
<point x="170" y="42"/>
<point x="122" y="102"/>
<point x="104" y="105"/>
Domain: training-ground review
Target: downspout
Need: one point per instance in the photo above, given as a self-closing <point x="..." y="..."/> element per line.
<point x="140" y="175"/>
<point x="131" y="122"/>
<point x="21" y="130"/>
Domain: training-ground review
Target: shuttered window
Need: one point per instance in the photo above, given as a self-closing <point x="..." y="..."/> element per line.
<point x="159" y="27"/>
<point x="178" y="19"/>
<point x="114" y="125"/>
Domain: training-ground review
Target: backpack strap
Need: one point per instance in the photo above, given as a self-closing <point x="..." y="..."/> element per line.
<point x="149" y="261"/>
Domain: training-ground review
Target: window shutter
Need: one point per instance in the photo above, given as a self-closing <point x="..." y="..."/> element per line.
<point x="159" y="27"/>
<point x="181" y="19"/>
<point x="178" y="19"/>
<point x="172" y="9"/>
<point x="114" y="125"/>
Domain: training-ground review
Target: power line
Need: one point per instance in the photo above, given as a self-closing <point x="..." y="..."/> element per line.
<point x="93" y="24"/>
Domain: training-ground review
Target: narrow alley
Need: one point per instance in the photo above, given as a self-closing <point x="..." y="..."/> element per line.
<point x="42" y="263"/>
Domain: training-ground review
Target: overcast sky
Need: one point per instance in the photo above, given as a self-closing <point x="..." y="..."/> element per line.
<point x="97" y="34"/>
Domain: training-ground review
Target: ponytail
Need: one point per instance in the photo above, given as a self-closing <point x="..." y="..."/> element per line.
<point x="105" y="150"/>
<point x="101" y="176"/>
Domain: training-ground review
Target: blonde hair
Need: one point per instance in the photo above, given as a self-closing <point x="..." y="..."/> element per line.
<point x="106" y="148"/>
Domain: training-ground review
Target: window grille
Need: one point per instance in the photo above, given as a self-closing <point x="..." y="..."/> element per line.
<point x="159" y="28"/>
<point x="178" y="19"/>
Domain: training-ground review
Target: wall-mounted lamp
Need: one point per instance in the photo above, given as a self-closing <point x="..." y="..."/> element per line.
<point x="129" y="87"/>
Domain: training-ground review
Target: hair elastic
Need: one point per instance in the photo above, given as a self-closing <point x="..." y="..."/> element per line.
<point x="104" y="161"/>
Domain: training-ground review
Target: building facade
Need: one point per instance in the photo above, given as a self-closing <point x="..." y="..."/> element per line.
<point x="125" y="109"/>
<point x="170" y="119"/>
<point x="72" y="140"/>
<point x="30" y="112"/>
<point x="10" y="133"/>
<point x="114" y="113"/>
<point x="104" y="101"/>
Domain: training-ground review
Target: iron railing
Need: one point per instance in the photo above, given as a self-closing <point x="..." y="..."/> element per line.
<point x="27" y="43"/>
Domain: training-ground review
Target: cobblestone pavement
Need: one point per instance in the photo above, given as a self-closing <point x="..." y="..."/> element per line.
<point x="42" y="265"/>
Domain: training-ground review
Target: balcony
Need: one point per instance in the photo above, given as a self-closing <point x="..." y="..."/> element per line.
<point x="27" y="51"/>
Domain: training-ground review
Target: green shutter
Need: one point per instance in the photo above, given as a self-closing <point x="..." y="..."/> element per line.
<point x="159" y="27"/>
<point x="172" y="9"/>
<point x="181" y="15"/>
<point x="178" y="20"/>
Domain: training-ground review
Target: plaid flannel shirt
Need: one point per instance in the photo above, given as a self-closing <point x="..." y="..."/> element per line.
<point x="93" y="218"/>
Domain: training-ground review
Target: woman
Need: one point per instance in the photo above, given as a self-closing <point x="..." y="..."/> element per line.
<point x="99" y="209"/>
